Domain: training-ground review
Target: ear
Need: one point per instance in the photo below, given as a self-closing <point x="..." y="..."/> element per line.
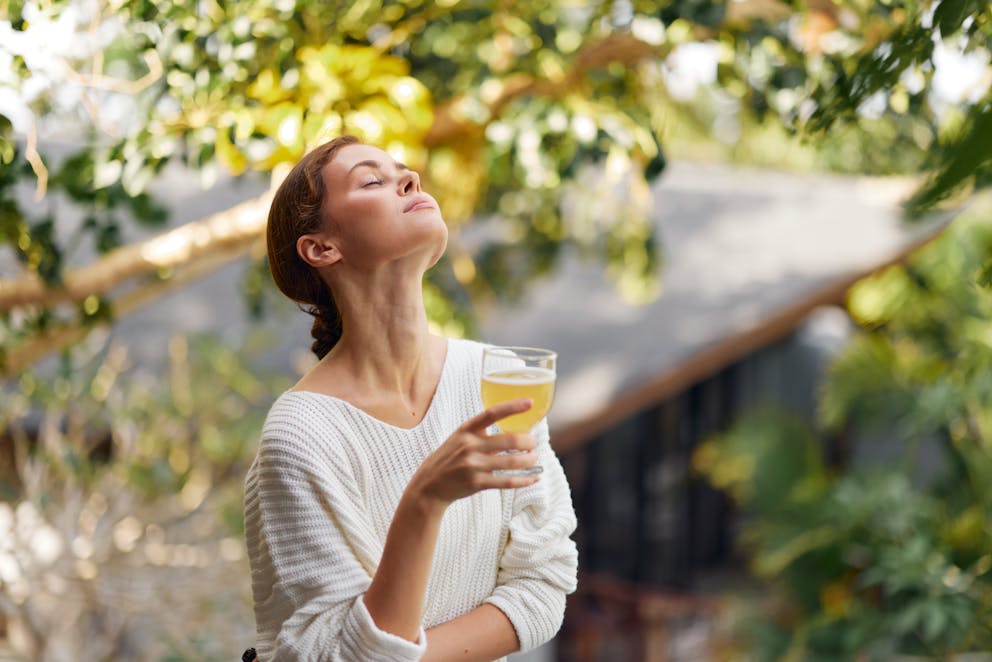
<point x="317" y="250"/>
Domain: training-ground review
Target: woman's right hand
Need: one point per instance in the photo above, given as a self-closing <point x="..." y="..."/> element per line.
<point x="464" y="463"/>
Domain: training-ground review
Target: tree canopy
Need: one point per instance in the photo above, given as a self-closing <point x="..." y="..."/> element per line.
<point x="507" y="109"/>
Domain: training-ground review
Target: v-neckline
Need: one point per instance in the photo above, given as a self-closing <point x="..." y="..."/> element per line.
<point x="378" y="421"/>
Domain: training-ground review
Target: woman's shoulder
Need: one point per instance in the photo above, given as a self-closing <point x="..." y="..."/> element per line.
<point x="291" y="409"/>
<point x="465" y="356"/>
<point x="303" y="425"/>
<point x="466" y="350"/>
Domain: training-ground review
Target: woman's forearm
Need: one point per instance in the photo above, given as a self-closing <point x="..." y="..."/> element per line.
<point x="395" y="598"/>
<point x="463" y="465"/>
<point x="482" y="635"/>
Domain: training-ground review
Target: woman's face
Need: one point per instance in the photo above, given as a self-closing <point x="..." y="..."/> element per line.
<point x="377" y="212"/>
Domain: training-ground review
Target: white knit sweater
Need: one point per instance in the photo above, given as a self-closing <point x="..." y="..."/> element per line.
<point x="319" y="499"/>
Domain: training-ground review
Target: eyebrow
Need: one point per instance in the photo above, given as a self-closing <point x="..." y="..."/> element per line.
<point x="371" y="163"/>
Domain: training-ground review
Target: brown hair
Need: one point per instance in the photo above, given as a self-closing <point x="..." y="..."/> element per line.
<point x="297" y="209"/>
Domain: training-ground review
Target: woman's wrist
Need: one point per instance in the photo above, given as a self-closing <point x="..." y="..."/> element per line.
<point x="419" y="503"/>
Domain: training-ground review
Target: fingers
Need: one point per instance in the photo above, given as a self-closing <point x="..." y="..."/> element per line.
<point x="510" y="441"/>
<point x="465" y="463"/>
<point x="507" y="481"/>
<point x="481" y="421"/>
<point x="510" y="461"/>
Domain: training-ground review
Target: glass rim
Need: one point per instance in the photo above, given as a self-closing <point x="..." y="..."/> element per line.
<point x="521" y="351"/>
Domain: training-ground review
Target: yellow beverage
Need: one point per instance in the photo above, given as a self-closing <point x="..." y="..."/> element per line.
<point x="538" y="384"/>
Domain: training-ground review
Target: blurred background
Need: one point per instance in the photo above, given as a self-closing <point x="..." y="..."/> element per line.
<point x="757" y="232"/>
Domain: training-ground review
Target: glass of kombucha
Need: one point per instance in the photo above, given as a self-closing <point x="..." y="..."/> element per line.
<point x="509" y="373"/>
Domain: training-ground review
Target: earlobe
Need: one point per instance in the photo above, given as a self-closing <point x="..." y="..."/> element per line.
<point x="317" y="251"/>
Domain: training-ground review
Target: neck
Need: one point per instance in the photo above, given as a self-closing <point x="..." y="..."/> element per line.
<point x="385" y="342"/>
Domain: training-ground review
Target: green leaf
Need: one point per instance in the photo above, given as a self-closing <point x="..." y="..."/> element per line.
<point x="967" y="156"/>
<point x="950" y="15"/>
<point x="148" y="211"/>
<point x="984" y="276"/>
<point x="935" y="620"/>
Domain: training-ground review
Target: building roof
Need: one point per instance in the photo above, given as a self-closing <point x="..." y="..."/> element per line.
<point x="748" y="254"/>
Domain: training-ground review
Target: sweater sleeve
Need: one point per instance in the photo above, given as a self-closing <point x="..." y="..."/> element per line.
<point x="309" y="577"/>
<point x="539" y="563"/>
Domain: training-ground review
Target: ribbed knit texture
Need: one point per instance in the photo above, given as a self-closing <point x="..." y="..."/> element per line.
<point x="319" y="499"/>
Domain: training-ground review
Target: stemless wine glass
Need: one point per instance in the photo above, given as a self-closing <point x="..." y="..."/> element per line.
<point x="509" y="373"/>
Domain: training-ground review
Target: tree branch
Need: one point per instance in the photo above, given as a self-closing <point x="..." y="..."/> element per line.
<point x="230" y="230"/>
<point x="61" y="336"/>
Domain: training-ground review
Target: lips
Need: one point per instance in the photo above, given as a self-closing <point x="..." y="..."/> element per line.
<point x="420" y="202"/>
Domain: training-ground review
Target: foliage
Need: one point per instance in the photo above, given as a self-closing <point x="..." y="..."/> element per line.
<point x="545" y="118"/>
<point x="497" y="107"/>
<point x="120" y="505"/>
<point x="882" y="560"/>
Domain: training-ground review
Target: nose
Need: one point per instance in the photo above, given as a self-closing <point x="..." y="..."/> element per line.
<point x="409" y="182"/>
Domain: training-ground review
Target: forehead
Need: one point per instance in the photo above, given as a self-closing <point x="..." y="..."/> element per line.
<point x="350" y="155"/>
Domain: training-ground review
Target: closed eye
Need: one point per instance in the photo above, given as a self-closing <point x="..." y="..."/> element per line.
<point x="373" y="182"/>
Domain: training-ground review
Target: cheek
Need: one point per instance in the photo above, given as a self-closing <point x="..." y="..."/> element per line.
<point x="367" y="241"/>
<point x="362" y="225"/>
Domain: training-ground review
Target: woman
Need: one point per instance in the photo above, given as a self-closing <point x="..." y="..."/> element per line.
<point x="376" y="528"/>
